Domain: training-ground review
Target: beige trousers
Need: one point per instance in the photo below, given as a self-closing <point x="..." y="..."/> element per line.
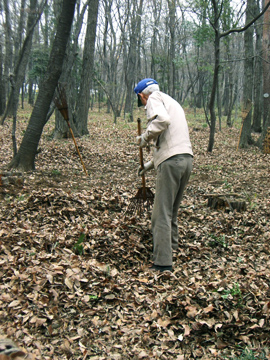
<point x="172" y="177"/>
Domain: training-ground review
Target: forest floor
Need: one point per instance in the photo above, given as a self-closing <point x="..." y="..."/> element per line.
<point x="74" y="278"/>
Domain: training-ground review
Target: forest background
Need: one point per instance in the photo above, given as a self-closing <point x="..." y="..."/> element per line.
<point x="64" y="291"/>
<point x="206" y="54"/>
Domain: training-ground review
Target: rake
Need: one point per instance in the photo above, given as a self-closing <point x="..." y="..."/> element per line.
<point x="144" y="197"/>
<point x="61" y="104"/>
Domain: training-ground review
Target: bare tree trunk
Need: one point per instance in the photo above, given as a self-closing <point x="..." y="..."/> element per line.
<point x="258" y="93"/>
<point x="19" y="32"/>
<point x="245" y="138"/>
<point x="2" y="87"/>
<point x="171" y="55"/>
<point x="215" y="78"/>
<point x="266" y="66"/>
<point x="8" y="53"/>
<point x="266" y="73"/>
<point x="61" y="129"/>
<point x="135" y="30"/>
<point x="25" y="158"/>
<point x="156" y="10"/>
<point x="83" y="101"/>
<point x="213" y="93"/>
<point x="19" y="73"/>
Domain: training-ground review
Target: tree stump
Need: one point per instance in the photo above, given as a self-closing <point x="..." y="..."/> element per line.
<point x="227" y="202"/>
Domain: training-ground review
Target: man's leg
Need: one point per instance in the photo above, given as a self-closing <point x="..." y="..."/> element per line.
<point x="169" y="175"/>
<point x="184" y="165"/>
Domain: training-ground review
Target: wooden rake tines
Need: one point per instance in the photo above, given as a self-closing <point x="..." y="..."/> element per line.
<point x="143" y="200"/>
<point x="144" y="197"/>
<point x="60" y="101"/>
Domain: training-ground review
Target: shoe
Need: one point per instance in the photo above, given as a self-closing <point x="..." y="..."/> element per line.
<point x="160" y="268"/>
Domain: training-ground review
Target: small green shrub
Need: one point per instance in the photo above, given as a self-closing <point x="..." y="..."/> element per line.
<point x="235" y="293"/>
<point x="78" y="247"/>
<point x="56" y="172"/>
<point x="218" y="241"/>
<point x="248" y="354"/>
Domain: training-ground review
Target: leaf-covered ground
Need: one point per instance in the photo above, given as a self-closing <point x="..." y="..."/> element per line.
<point x="74" y="279"/>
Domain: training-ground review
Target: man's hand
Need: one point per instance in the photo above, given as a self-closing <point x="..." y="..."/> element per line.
<point x="141" y="141"/>
<point x="147" y="166"/>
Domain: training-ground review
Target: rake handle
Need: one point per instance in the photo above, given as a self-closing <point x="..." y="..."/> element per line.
<point x="141" y="158"/>
<point x="76" y="146"/>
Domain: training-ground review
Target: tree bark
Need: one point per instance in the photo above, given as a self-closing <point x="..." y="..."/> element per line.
<point x="266" y="67"/>
<point x="213" y="94"/>
<point x="266" y="75"/>
<point x="135" y="31"/>
<point x="83" y="101"/>
<point x="245" y="138"/>
<point x="25" y="158"/>
<point x="8" y="53"/>
<point x="69" y="78"/>
<point x="171" y="50"/>
<point x="215" y="78"/>
<point x="2" y="87"/>
<point x="258" y="93"/>
<point x="22" y="60"/>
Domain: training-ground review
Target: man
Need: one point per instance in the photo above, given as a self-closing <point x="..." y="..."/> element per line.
<point x="172" y="158"/>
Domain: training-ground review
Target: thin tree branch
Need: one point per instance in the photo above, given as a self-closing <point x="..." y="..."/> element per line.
<point x="246" y="26"/>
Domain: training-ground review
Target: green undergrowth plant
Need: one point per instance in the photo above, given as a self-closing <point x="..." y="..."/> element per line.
<point x="248" y="354"/>
<point x="233" y="293"/>
<point x="78" y="247"/>
<point x="56" y="172"/>
<point x="218" y="241"/>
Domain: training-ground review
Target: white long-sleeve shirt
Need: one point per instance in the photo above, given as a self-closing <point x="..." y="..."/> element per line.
<point x="167" y="127"/>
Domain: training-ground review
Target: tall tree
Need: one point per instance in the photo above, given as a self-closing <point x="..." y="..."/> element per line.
<point x="25" y="158"/>
<point x="2" y="87"/>
<point x="22" y="60"/>
<point x="132" y="53"/>
<point x="266" y="67"/>
<point x="71" y="74"/>
<point x="245" y="138"/>
<point x="171" y="50"/>
<point x="217" y="8"/>
<point x="8" y="52"/>
<point x="258" y="90"/>
<point x="156" y="11"/>
<point x="83" y="100"/>
<point x="216" y="26"/>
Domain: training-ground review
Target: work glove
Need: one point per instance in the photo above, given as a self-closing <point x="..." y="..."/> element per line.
<point x="147" y="166"/>
<point x="141" y="141"/>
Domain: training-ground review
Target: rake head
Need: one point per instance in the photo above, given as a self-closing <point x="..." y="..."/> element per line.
<point x="143" y="200"/>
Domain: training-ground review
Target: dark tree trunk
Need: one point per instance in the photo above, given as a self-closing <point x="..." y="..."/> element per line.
<point x="19" y="32"/>
<point x="266" y="74"/>
<point x="61" y="128"/>
<point x="22" y="60"/>
<point x="245" y="138"/>
<point x="25" y="158"/>
<point x="8" y="53"/>
<point x="258" y="93"/>
<point x="83" y="101"/>
<point x="215" y="79"/>
<point x="132" y="56"/>
<point x="171" y="54"/>
<point x="156" y="10"/>
<point x="2" y="88"/>
<point x="266" y="67"/>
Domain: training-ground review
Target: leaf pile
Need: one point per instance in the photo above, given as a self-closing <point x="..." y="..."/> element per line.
<point x="74" y="261"/>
